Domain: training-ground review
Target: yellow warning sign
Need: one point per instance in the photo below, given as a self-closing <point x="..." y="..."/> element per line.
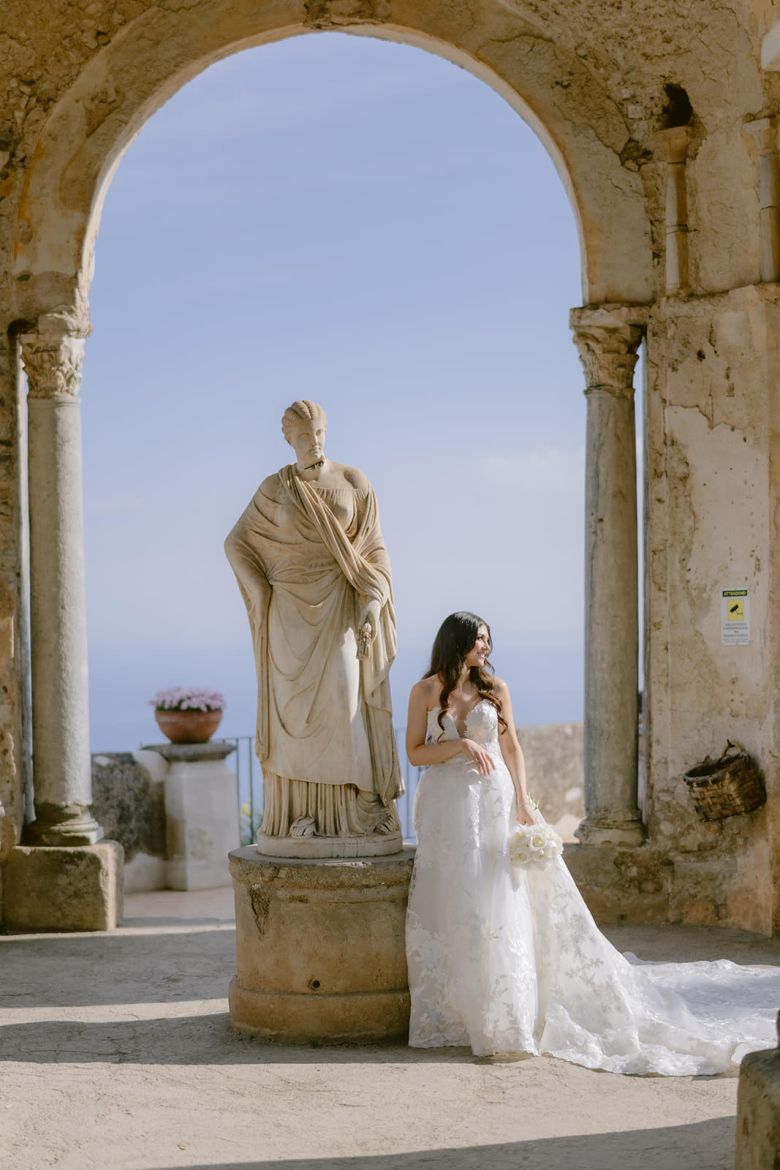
<point x="735" y="616"/>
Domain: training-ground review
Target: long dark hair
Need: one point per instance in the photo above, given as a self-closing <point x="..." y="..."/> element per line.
<point x="456" y="637"/>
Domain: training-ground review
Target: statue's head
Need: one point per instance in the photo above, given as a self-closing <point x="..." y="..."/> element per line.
<point x="304" y="426"/>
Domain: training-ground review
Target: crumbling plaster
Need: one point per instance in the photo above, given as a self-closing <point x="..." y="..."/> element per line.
<point x="709" y="527"/>
<point x="79" y="78"/>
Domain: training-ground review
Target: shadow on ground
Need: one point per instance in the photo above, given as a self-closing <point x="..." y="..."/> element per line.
<point x="164" y="959"/>
<point x="665" y="1148"/>
<point x="191" y="1039"/>
<point x="118" y="968"/>
<point x="208" y="1039"/>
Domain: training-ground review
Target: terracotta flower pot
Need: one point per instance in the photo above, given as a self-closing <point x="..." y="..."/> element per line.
<point x="188" y="726"/>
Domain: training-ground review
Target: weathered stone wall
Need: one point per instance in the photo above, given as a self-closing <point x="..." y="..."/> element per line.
<point x="13" y="668"/>
<point x="129" y="802"/>
<point x="77" y="80"/>
<point x="554" y="762"/>
<point x="709" y="466"/>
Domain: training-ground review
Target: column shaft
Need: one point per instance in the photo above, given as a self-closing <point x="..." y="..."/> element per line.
<point x="672" y="146"/>
<point x="764" y="133"/>
<point x="60" y="698"/>
<point x="676" y="228"/>
<point x="608" y="347"/>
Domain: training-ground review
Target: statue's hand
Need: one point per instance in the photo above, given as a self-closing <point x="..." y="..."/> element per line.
<point x="370" y="617"/>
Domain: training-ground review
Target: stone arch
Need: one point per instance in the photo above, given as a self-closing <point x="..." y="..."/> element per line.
<point x="69" y="169"/>
<point x="151" y="58"/>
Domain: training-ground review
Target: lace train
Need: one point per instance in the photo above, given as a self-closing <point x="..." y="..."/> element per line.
<point x="506" y="960"/>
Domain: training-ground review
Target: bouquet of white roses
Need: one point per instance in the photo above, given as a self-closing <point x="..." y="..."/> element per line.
<point x="534" y="845"/>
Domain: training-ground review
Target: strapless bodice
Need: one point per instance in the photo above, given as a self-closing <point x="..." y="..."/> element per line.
<point x="481" y="724"/>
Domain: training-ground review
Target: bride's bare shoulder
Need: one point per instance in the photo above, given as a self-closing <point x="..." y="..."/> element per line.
<point x="427" y="690"/>
<point x="501" y="691"/>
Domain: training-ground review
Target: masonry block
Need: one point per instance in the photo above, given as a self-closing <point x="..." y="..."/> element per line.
<point x="63" y="888"/>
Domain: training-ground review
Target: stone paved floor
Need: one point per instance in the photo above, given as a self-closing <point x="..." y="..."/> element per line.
<point x="115" y="1054"/>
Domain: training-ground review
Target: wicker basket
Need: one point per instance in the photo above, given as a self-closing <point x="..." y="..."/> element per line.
<point x="726" y="787"/>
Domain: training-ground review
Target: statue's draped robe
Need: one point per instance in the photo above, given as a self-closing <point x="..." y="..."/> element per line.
<point x="306" y="559"/>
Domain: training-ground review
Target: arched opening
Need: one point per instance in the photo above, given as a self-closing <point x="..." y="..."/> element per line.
<point x="83" y="140"/>
<point x="402" y="250"/>
<point x="442" y="359"/>
<point x="602" y="275"/>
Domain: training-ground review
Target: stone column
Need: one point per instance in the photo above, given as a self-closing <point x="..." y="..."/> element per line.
<point x="608" y="341"/>
<point x="52" y="354"/>
<point x="764" y="132"/>
<point x="672" y="145"/>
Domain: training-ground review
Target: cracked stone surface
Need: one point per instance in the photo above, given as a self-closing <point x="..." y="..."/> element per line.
<point x="116" y="1055"/>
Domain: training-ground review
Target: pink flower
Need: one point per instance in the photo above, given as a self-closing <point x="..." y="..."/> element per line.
<point x="188" y="699"/>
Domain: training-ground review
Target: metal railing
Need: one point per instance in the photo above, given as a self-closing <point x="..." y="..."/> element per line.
<point x="249" y="786"/>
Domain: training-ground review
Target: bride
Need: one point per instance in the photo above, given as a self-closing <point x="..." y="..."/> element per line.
<point x="509" y="960"/>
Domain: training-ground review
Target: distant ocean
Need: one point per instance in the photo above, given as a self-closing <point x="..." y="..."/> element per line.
<point x="545" y="681"/>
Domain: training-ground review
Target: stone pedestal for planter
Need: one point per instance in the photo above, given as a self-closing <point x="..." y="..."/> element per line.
<point x="201" y="813"/>
<point x="320" y="947"/>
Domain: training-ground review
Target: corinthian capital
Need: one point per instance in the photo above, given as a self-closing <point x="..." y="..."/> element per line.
<point x="608" y="341"/>
<point x="53" y="354"/>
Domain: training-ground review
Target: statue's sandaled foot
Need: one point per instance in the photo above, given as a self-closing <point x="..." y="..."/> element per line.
<point x="388" y="823"/>
<point x="303" y="827"/>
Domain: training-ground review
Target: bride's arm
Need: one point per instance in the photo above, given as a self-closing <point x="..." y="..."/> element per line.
<point x="423" y="754"/>
<point x="513" y="756"/>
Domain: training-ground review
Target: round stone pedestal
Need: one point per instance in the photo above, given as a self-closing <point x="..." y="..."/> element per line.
<point x="375" y="845"/>
<point x="320" y="947"/>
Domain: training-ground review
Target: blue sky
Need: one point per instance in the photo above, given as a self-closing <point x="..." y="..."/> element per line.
<point x="365" y="224"/>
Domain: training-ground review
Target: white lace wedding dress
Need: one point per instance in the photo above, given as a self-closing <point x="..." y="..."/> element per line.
<point x="506" y="960"/>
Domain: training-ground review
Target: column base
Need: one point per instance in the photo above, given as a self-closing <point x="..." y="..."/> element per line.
<point x="63" y="824"/>
<point x="609" y="830"/>
<point x="623" y="884"/>
<point x="63" y="888"/>
<point x="320" y="948"/>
